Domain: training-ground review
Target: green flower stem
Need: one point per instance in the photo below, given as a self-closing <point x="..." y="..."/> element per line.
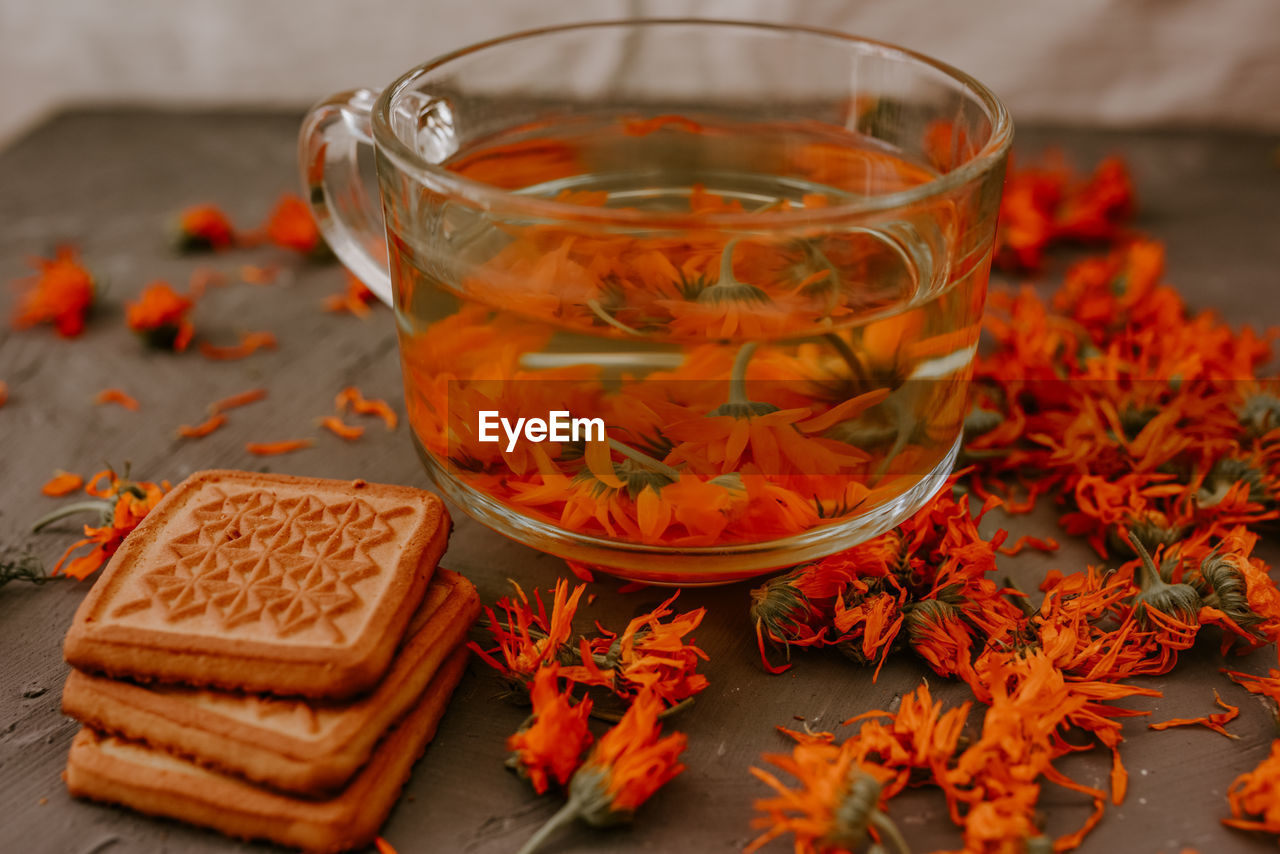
<point x="726" y="266"/>
<point x="566" y="815"/>
<point x="846" y="353"/>
<point x="889" y="831"/>
<point x="1148" y="575"/>
<point x="614" y="717"/>
<point x="598" y="311"/>
<point x="105" y="508"/>
<point x="833" y="290"/>
<point x="738" y="378"/>
<point x="644" y="459"/>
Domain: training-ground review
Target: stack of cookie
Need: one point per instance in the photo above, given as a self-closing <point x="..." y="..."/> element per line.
<point x="268" y="656"/>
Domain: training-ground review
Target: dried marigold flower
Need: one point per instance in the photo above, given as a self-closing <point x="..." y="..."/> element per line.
<point x="159" y="316"/>
<point x="835" y="805"/>
<point x="61" y="293"/>
<point x="1255" y="796"/>
<point x="1221" y="585"/>
<point x="1179" y="601"/>
<point x="649" y="656"/>
<point x="627" y="765"/>
<point x="291" y="226"/>
<point x="204" y="228"/>
<point x="549" y="747"/>
<point x="527" y="637"/>
<point x="122" y="505"/>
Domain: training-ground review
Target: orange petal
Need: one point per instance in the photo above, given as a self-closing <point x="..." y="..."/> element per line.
<point x="600" y="463"/>
<point x="271" y="449"/>
<point x="244" y="398"/>
<point x="250" y="343"/>
<point x="353" y="398"/>
<point x="62" y="483"/>
<point x="851" y="408"/>
<point x="203" y="429"/>
<point x="117" y="396"/>
<point x="335" y="425"/>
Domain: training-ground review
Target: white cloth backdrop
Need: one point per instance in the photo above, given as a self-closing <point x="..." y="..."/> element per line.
<point x="1112" y="62"/>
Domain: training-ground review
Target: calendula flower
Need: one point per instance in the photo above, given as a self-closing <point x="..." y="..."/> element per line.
<point x="291" y="226"/>
<point x="866" y="624"/>
<point x="652" y="655"/>
<point x="792" y="608"/>
<point x="625" y="768"/>
<point x="1158" y="601"/>
<point x="61" y="293"/>
<point x="527" y="637"/>
<point x="1045" y="204"/>
<point x="121" y="505"/>
<point x="836" y="806"/>
<point x="204" y="228"/>
<point x="549" y="747"/>
<point x="159" y="316"/>
<point x="1255" y="796"/>
<point x="937" y="633"/>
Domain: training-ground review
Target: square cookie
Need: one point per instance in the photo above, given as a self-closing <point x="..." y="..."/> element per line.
<point x="305" y="747"/>
<point x="263" y="582"/>
<point x="106" y="768"/>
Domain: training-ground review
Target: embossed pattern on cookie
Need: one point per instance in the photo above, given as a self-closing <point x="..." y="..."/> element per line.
<point x="288" y="564"/>
<point x="259" y="572"/>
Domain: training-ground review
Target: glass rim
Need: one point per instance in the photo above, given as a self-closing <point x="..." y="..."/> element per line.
<point x="506" y="201"/>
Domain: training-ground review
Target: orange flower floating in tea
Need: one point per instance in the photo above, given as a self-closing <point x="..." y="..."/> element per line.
<point x="752" y="387"/>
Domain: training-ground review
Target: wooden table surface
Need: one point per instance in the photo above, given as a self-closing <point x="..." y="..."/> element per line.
<point x="109" y="182"/>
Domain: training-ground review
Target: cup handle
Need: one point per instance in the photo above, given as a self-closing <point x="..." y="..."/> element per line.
<point x="328" y="144"/>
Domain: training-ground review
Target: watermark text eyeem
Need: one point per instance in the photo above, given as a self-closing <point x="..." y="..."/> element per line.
<point x="558" y="426"/>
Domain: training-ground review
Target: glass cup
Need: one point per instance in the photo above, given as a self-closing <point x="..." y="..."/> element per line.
<point x="682" y="300"/>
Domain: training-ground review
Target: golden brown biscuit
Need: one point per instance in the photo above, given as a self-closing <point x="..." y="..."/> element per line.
<point x="263" y="582"/>
<point x="309" y="748"/>
<point x="107" y="768"/>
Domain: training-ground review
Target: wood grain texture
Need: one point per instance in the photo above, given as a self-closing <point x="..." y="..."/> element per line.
<point x="108" y="181"/>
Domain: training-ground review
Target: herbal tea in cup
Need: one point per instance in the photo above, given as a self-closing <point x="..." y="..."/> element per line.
<point x="683" y="320"/>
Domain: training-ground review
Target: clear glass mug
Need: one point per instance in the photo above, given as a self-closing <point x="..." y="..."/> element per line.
<point x="683" y="300"/>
